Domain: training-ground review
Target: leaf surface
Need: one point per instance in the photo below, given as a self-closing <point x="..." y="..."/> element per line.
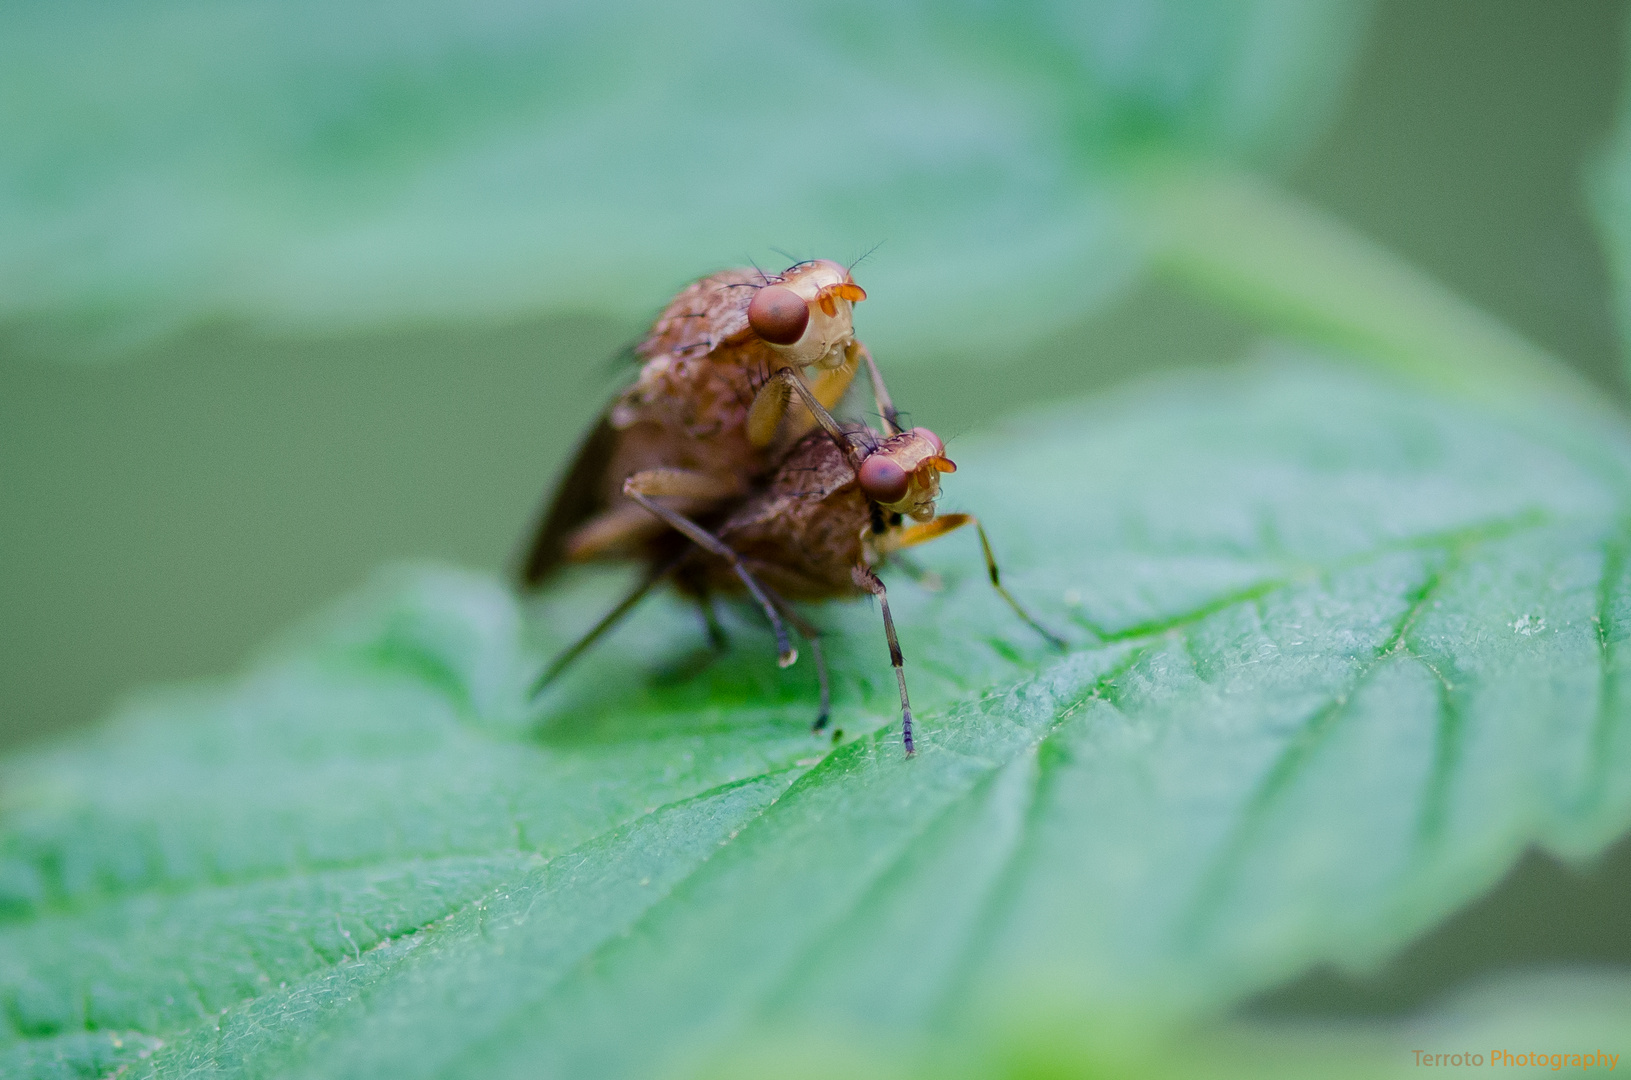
<point x="1339" y="654"/>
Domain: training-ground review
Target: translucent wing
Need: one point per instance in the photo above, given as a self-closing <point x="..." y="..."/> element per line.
<point x="578" y="497"/>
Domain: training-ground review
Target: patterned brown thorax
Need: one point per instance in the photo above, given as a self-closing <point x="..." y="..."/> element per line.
<point x="805" y="532"/>
<point x="704" y="315"/>
<point x="702" y="366"/>
<point x="688" y="408"/>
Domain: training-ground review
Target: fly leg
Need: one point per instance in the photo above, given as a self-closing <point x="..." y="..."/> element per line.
<point x="922" y="575"/>
<point x="812" y="634"/>
<point x="945" y="523"/>
<point x="824" y="710"/>
<point x="717" y="638"/>
<point x="564" y="659"/>
<point x="643" y="485"/>
<point x="829" y="386"/>
<point x="770" y="405"/>
<point x="868" y="581"/>
<point x="880" y="393"/>
<point x="625" y="527"/>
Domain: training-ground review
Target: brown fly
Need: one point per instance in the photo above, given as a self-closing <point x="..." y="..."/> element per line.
<point x="711" y="412"/>
<point x="839" y="504"/>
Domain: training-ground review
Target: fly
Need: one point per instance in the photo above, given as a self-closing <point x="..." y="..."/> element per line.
<point x="841" y="502"/>
<point x="711" y="411"/>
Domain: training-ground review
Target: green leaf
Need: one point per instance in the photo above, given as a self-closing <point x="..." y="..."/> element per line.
<point x="322" y="165"/>
<point x="1340" y="654"/>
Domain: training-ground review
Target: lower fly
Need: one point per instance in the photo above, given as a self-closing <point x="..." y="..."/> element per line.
<point x="841" y="503"/>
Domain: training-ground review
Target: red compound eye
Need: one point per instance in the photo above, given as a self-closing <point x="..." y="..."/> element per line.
<point x="883" y="479"/>
<point x="778" y="314"/>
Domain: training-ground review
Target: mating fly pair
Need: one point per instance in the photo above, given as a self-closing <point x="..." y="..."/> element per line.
<point x="722" y="469"/>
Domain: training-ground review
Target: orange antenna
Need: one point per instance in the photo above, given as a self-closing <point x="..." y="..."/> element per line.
<point x="844" y="290"/>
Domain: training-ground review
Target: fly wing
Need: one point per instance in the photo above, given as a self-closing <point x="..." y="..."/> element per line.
<point x="578" y="497"/>
<point x="703" y="317"/>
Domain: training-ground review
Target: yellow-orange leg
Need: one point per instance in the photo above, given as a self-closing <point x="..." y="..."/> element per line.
<point x="914" y="535"/>
<point x="830" y="384"/>
<point x="771" y="404"/>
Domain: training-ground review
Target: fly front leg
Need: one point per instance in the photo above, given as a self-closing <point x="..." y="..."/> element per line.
<point x="829" y="387"/>
<point x="770" y="405"/>
<point x="945" y="523"/>
<point x="643" y="486"/>
<point x="868" y="581"/>
<point x="831" y="384"/>
<point x="880" y="392"/>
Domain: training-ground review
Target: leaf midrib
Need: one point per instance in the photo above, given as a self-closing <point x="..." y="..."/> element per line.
<point x="1002" y="883"/>
<point x="1494" y="529"/>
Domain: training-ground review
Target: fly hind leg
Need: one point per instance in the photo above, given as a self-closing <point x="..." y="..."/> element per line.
<point x="625" y="528"/>
<point x="642" y="487"/>
<point x="609" y="620"/>
<point x="718" y="640"/>
<point x="812" y="634"/>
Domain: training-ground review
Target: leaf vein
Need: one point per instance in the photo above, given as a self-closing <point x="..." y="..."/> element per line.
<point x="1606" y="720"/>
<point x="1003" y="891"/>
<point x="1298" y="750"/>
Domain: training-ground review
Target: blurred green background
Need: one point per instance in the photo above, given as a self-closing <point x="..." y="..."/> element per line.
<point x="163" y="513"/>
<point x="165" y="510"/>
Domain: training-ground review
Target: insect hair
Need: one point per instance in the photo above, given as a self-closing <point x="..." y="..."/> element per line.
<point x="864" y="257"/>
<point x="794" y="259"/>
<point x="865" y="437"/>
<point x="900" y="415"/>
